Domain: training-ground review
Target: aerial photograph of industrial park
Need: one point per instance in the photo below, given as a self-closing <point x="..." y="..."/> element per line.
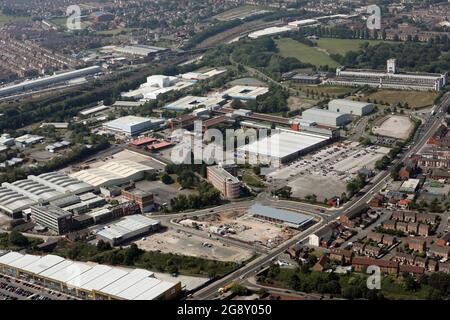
<point x="240" y="152"/>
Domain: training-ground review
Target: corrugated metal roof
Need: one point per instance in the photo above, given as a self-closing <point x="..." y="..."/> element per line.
<point x="284" y="215"/>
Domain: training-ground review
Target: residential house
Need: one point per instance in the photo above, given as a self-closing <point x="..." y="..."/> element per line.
<point x="421" y="262"/>
<point x="386" y="266"/>
<point x="375" y="236"/>
<point x="404" y="258"/>
<point x="426" y="218"/>
<point x="389" y="240"/>
<point x="402" y="226"/>
<point x="321" y="264"/>
<point x="341" y="255"/>
<point x="444" y="241"/>
<point x="416" y="244"/>
<point x="432" y="265"/>
<point x="358" y="248"/>
<point x="397" y="216"/>
<point x="372" y="251"/>
<point x="409" y="216"/>
<point x="424" y="230"/>
<point x="389" y="225"/>
<point x="413" y="270"/>
<point x="438" y="251"/>
<point x="444" y="267"/>
<point x="412" y="227"/>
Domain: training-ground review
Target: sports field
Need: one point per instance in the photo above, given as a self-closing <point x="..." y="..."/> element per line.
<point x="292" y="48"/>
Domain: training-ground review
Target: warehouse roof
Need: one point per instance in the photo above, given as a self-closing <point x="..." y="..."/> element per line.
<point x="192" y="102"/>
<point x="43" y="264"/>
<point x="105" y="279"/>
<point x="284" y="143"/>
<point x="321" y="113"/>
<point x="88" y="276"/>
<point x="350" y="103"/>
<point x="127" y="281"/>
<point x="134" y="284"/>
<point x="10" y="257"/>
<point x="111" y="172"/>
<point x="245" y="92"/>
<point x="24" y="261"/>
<point x="294" y="218"/>
<point x="126" y="226"/>
<point x="139" y="288"/>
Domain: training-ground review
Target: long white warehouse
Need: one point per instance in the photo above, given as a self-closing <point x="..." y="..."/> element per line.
<point x="326" y="117"/>
<point x="41" y="82"/>
<point x="86" y="280"/>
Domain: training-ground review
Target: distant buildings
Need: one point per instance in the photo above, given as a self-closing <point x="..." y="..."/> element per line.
<point x="350" y="107"/>
<point x="245" y="92"/>
<point x="132" y="125"/>
<point x="50" y="80"/>
<point x="390" y="79"/>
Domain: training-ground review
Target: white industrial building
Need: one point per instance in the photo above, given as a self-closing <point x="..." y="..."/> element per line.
<point x="245" y="92"/>
<point x="271" y="31"/>
<point x="193" y="102"/>
<point x="156" y="86"/>
<point x="87" y="280"/>
<point x="138" y="50"/>
<point x="46" y="81"/>
<point x="303" y="23"/>
<point x="350" y="107"/>
<point x="133" y="125"/>
<point x="284" y="145"/>
<point x="28" y="140"/>
<point x="128" y="228"/>
<point x="20" y="195"/>
<point x="113" y="173"/>
<point x="390" y="79"/>
<point x="326" y="117"/>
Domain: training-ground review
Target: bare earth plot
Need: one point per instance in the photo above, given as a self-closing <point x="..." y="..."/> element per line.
<point x="175" y="242"/>
<point x="249" y="229"/>
<point x="399" y="127"/>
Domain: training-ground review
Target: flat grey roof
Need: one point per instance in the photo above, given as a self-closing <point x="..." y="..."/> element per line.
<point x="291" y="217"/>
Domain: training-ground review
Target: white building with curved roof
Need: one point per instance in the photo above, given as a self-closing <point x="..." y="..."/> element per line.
<point x="113" y="173"/>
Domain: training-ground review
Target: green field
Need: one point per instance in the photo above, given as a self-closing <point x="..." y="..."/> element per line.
<point x="342" y="46"/>
<point x="415" y="99"/>
<point x="292" y="48"/>
<point x="4" y="19"/>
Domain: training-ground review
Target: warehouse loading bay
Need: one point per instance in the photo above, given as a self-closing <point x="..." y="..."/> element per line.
<point x="326" y="173"/>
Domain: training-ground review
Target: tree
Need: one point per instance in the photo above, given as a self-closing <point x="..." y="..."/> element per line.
<point x="187" y="179"/>
<point x="103" y="246"/>
<point x="18" y="239"/>
<point x="294" y="282"/>
<point x="239" y="290"/>
<point x="131" y="254"/>
<point x="166" y="179"/>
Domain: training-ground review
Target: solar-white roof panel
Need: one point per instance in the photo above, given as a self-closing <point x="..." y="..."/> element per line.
<point x="126" y="282"/>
